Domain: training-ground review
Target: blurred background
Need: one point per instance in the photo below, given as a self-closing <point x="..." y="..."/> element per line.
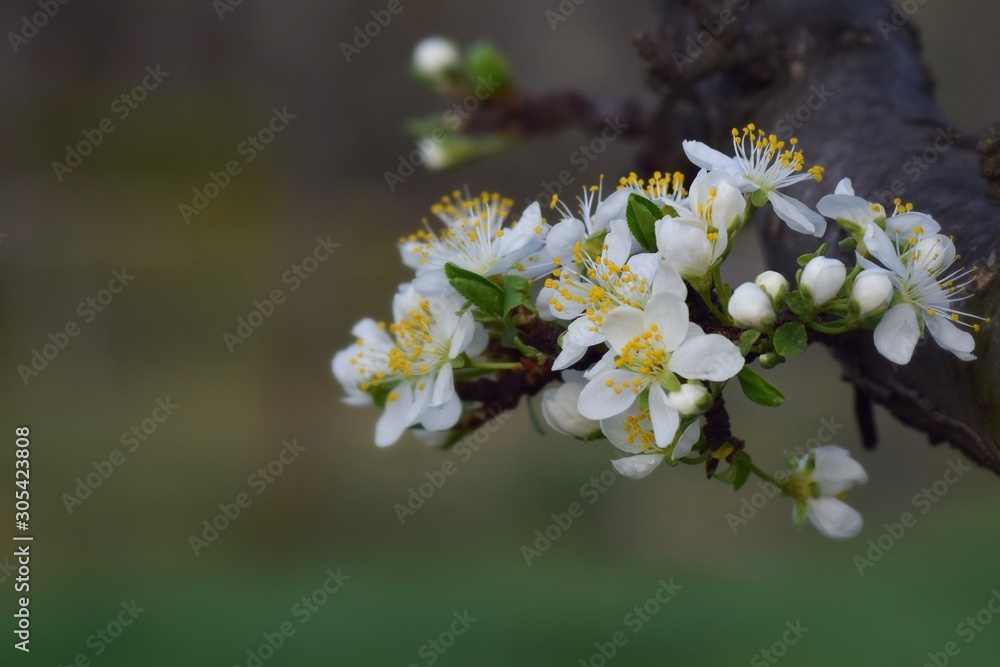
<point x="130" y="534"/>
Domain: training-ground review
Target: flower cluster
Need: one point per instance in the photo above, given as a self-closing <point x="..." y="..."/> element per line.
<point x="621" y="301"/>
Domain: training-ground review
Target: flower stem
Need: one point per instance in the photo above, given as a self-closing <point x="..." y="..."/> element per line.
<point x="760" y="473"/>
<point x="827" y="329"/>
<point x="706" y="296"/>
<point x="494" y="365"/>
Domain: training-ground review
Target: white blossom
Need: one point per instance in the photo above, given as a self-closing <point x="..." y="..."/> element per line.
<point x="653" y="349"/>
<point x="819" y="481"/>
<point x="762" y="162"/>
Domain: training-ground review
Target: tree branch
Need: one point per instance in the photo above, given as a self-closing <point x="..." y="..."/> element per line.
<point x="847" y="78"/>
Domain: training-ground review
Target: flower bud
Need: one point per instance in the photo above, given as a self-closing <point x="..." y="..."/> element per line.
<point x="872" y="293"/>
<point x="751" y="308"/>
<point x="435" y="57"/>
<point x="774" y="285"/>
<point x="560" y="411"/>
<point x="822" y="279"/>
<point x="935" y="252"/>
<point x="690" y="400"/>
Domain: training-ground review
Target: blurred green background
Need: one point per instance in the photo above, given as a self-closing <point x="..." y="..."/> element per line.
<point x="333" y="506"/>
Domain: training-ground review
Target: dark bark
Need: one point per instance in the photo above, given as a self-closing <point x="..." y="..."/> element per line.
<point x="880" y="114"/>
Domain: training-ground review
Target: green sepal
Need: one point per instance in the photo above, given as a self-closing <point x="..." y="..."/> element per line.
<point x="483" y="294"/>
<point x="759" y="390"/>
<point x="644" y="401"/>
<point x="769" y="360"/>
<point x="742" y="473"/>
<point x="536" y="421"/>
<point x="790" y="339"/>
<point x="808" y="257"/>
<point x="529" y="351"/>
<point x="593" y="247"/>
<point x="759" y="197"/>
<point x="380" y="394"/>
<point x="516" y="292"/>
<point x="669" y="381"/>
<point x="799" y="513"/>
<point x="849" y="243"/>
<point x="641" y="215"/>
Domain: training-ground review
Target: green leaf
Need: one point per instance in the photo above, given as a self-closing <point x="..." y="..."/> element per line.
<point x="790" y="339"/>
<point x="759" y="390"/>
<point x="796" y="302"/>
<point x="747" y="340"/>
<point x="483" y="294"/>
<point x="516" y="292"/>
<point x="641" y="215"/>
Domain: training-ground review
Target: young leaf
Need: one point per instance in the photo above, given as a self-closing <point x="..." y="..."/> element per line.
<point x="483" y="294"/>
<point x="759" y="390"/>
<point x="796" y="303"/>
<point x="790" y="339"/>
<point x="516" y="293"/>
<point x="747" y="340"/>
<point x="641" y="215"/>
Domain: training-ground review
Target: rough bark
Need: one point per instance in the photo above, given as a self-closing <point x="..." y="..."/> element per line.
<point x="881" y="113"/>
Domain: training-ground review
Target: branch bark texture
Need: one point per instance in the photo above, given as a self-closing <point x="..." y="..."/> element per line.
<point x="847" y="78"/>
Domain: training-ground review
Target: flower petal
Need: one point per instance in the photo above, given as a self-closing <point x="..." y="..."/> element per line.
<point x="600" y="401"/>
<point x="395" y="419"/>
<point x="444" y="386"/>
<point x="836" y="471"/>
<point x="834" y="518"/>
<point x="898" y="332"/>
<point x="950" y="337"/>
<point x="844" y="187"/>
<point x="442" y="417"/>
<point x="687" y="441"/>
<point x="612" y="208"/>
<point x="670" y="315"/>
<point x="663" y="415"/>
<point x="797" y="215"/>
<point x="563" y="236"/>
<point x="621" y="325"/>
<point x="710" y="357"/>
<point x="705" y="156"/>
<point x="637" y="467"/>
<point x="883" y="249"/>
<point x="852" y="209"/>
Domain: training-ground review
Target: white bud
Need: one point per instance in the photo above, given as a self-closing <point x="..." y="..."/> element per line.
<point x="935" y="252"/>
<point x="690" y="400"/>
<point x="751" y="308"/>
<point x="872" y="292"/>
<point x="433" y="57"/>
<point x="773" y="284"/>
<point x="822" y="279"/>
<point x="434" y="156"/>
<point x="560" y="411"/>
